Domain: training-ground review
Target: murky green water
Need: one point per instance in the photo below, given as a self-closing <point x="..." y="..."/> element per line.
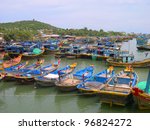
<point x="25" y="98"/>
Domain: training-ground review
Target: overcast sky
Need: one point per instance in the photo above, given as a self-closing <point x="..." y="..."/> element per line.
<point x="116" y="15"/>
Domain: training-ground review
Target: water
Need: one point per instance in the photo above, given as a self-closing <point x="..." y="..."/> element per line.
<point x="26" y="99"/>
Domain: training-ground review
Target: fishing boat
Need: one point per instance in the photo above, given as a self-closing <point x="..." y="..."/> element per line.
<point x="14" y="49"/>
<point x="70" y="83"/>
<point x="144" y="47"/>
<point x="118" y="89"/>
<point x="121" y="63"/>
<point x="20" y="69"/>
<point x="142" y="94"/>
<point x="93" y="85"/>
<point x="29" y="76"/>
<point x="11" y="62"/>
<point x="35" y="53"/>
<point x="49" y="79"/>
<point x="51" y="46"/>
<point x="11" y="71"/>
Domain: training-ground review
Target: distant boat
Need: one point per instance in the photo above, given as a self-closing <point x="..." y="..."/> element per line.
<point x="144" y="47"/>
<point x="36" y="52"/>
<point x="70" y="83"/>
<point x="118" y="89"/>
<point x="97" y="82"/>
<point x="49" y="79"/>
<point x="128" y="60"/>
<point x="142" y="94"/>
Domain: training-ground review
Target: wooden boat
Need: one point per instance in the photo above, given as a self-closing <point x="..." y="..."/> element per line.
<point x="29" y="76"/>
<point x="9" y="72"/>
<point x="20" y="69"/>
<point x="93" y="85"/>
<point x="49" y="79"/>
<point x="70" y="83"/>
<point x="144" y="47"/>
<point x="71" y="56"/>
<point x="12" y="62"/>
<point x="143" y="63"/>
<point x="31" y="54"/>
<point x="118" y="89"/>
<point x="142" y="94"/>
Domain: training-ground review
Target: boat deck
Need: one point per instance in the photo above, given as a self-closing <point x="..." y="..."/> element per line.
<point x="94" y="85"/>
<point x="70" y="81"/>
<point x="122" y="88"/>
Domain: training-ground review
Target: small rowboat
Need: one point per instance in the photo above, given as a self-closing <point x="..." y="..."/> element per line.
<point x="70" y="83"/>
<point x="49" y="79"/>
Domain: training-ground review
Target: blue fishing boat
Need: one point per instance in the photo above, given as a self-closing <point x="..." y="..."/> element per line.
<point x="118" y="90"/>
<point x="70" y="83"/>
<point x="29" y="76"/>
<point x="20" y="69"/>
<point x="9" y="72"/>
<point x="49" y="79"/>
<point x="93" y="85"/>
<point x="51" y="46"/>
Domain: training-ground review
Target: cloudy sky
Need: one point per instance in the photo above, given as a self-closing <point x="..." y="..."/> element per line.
<point x="116" y="15"/>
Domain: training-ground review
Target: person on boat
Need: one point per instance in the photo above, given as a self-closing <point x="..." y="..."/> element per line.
<point x="83" y="77"/>
<point x="59" y="75"/>
<point x="146" y="54"/>
<point x="130" y="83"/>
<point x="38" y="63"/>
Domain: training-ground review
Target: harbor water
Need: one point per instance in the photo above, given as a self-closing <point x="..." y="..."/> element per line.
<point x="15" y="98"/>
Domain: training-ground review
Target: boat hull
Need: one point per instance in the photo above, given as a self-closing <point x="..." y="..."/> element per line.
<point x="140" y="64"/>
<point x="43" y="84"/>
<point x="115" y="98"/>
<point x="143" y="48"/>
<point x="24" y="80"/>
<point x="67" y="85"/>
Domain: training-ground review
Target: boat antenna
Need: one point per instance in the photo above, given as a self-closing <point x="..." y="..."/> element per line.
<point x="148" y="82"/>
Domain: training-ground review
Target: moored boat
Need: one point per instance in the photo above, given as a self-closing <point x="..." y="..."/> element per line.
<point x="70" y="83"/>
<point x="142" y="94"/>
<point x="118" y="89"/>
<point x="49" y="79"/>
<point x="36" y="53"/>
<point x="144" y="47"/>
<point x="9" y="72"/>
<point x="140" y="64"/>
<point x="29" y="76"/>
<point x="11" y="62"/>
<point x="20" y="69"/>
<point x="93" y="85"/>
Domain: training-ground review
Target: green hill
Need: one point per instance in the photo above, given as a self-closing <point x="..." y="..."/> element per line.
<point x="26" y="25"/>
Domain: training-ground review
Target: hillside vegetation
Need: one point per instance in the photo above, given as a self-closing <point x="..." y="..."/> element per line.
<point x="27" y="30"/>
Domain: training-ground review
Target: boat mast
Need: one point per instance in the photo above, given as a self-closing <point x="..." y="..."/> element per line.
<point x="148" y="83"/>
